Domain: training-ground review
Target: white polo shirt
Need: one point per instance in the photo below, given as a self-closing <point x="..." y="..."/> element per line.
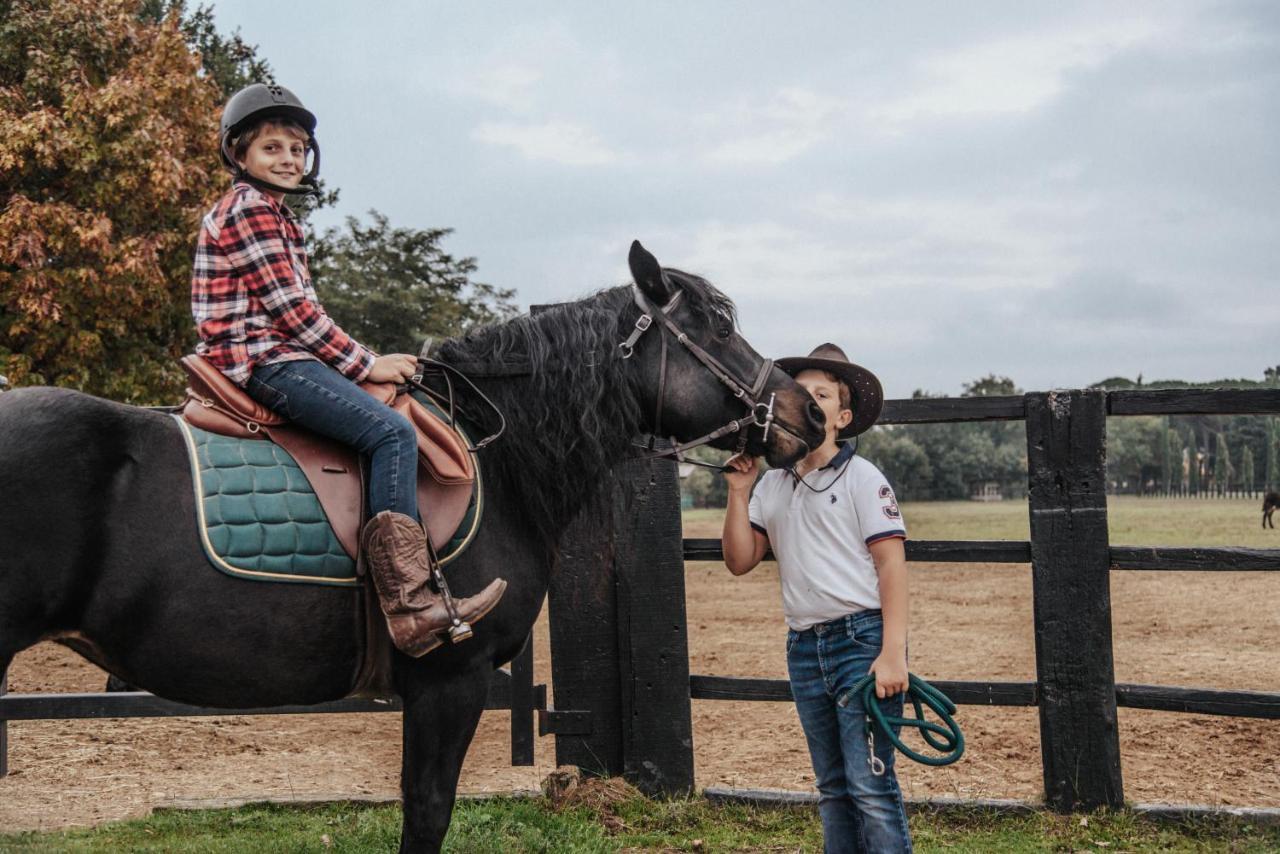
<point x="820" y="537"/>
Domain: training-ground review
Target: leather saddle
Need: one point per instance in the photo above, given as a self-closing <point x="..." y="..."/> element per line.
<point x="446" y="471"/>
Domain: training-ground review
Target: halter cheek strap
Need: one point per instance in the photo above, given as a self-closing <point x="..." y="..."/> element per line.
<point x="760" y="414"/>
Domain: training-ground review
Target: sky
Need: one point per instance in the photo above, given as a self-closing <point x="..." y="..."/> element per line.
<point x="1056" y="193"/>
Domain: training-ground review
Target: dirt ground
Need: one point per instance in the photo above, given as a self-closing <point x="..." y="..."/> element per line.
<point x="968" y="622"/>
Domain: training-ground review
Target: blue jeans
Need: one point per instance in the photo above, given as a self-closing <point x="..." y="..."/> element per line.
<point x="860" y="811"/>
<point x="315" y="396"/>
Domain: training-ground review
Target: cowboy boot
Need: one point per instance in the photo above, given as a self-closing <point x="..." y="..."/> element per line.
<point x="395" y="549"/>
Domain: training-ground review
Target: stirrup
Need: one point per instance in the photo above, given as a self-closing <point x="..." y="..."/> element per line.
<point x="459" y="629"/>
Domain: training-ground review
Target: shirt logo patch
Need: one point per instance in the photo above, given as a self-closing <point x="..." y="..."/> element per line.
<point x="833" y="499"/>
<point x="891" y="510"/>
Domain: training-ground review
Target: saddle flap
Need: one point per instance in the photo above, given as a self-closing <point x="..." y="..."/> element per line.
<point x="440" y="449"/>
<point x="211" y="389"/>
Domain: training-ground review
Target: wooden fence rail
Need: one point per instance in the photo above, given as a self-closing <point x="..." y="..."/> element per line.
<point x="512" y="690"/>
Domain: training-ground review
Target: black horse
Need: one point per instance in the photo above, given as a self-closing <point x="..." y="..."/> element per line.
<point x="98" y="548"/>
<point x="1270" y="502"/>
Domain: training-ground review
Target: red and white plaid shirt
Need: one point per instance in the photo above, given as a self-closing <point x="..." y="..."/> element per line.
<point x="251" y="292"/>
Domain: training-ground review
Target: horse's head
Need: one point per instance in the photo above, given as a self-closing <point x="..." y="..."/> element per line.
<point x="701" y="376"/>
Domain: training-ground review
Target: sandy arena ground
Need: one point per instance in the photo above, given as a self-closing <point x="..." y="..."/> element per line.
<point x="968" y="622"/>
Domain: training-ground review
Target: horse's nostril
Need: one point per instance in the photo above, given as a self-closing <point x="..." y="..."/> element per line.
<point x="816" y="416"/>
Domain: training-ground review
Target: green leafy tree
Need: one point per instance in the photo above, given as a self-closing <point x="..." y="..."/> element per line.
<point x="393" y="287"/>
<point x="1221" y="465"/>
<point x="1168" y="451"/>
<point x="1193" y="477"/>
<point x="1272" y="456"/>
<point x="1247" y="475"/>
<point x="903" y="461"/>
<point x="229" y="61"/>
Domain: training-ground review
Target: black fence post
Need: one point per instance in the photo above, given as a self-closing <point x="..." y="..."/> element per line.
<point x="653" y="645"/>
<point x="522" y="705"/>
<point x="619" y="648"/>
<point x="4" y="728"/>
<point x="1070" y="569"/>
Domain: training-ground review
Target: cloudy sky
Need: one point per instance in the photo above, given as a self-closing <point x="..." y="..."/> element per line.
<point x="947" y="190"/>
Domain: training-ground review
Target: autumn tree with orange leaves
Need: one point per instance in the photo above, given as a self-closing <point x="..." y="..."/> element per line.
<point x="108" y="159"/>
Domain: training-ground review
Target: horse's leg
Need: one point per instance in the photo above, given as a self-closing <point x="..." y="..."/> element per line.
<point x="441" y="712"/>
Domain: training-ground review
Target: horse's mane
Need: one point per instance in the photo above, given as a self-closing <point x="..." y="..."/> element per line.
<point x="571" y="403"/>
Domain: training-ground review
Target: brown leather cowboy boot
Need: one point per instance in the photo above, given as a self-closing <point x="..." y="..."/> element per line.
<point x="395" y="548"/>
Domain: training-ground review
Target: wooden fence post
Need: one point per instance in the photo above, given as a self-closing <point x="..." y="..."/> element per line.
<point x="4" y="728"/>
<point x="653" y="644"/>
<point x="619" y="648"/>
<point x="1070" y="570"/>
<point x="583" y="615"/>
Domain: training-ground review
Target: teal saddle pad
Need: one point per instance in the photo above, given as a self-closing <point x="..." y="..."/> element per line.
<point x="259" y="518"/>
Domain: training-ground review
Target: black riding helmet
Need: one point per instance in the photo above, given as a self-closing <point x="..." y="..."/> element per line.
<point x="259" y="101"/>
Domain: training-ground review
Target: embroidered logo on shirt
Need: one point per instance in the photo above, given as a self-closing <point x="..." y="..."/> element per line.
<point x="891" y="510"/>
<point x="833" y="499"/>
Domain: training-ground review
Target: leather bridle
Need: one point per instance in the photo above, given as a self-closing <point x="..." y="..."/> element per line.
<point x="759" y="414"/>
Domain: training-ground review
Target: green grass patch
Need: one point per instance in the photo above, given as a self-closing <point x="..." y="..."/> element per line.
<point x="510" y="825"/>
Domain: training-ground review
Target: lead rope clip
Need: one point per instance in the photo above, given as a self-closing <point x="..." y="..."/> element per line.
<point x="876" y="763"/>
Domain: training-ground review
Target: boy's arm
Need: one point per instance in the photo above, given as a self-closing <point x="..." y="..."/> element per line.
<point x="890" y="667"/>
<point x="743" y="545"/>
<point x="261" y="250"/>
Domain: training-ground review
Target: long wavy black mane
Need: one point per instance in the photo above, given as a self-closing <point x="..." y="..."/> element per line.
<point x="571" y="402"/>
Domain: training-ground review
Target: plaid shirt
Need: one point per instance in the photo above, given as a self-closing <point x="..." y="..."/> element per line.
<point x="251" y="292"/>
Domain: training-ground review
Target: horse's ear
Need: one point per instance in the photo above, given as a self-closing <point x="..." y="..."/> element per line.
<point x="648" y="274"/>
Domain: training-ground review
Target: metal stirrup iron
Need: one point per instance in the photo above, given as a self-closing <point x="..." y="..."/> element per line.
<point x="459" y="629"/>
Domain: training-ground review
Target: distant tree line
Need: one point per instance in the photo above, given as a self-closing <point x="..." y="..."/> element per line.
<point x="1184" y="455"/>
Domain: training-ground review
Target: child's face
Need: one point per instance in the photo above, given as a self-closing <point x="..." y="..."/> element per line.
<point x="278" y="155"/>
<point x="826" y="392"/>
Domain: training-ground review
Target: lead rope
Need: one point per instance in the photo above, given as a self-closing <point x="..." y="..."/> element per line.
<point x="945" y="736"/>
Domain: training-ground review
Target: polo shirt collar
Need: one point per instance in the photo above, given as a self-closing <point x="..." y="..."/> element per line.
<point x="842" y="456"/>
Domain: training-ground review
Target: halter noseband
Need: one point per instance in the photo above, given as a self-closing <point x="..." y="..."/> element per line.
<point x="759" y="414"/>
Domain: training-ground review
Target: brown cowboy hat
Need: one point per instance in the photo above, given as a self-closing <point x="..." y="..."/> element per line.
<point x="868" y="396"/>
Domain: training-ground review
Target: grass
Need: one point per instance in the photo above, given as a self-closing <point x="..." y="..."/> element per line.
<point x="509" y="825"/>
<point x="1130" y="521"/>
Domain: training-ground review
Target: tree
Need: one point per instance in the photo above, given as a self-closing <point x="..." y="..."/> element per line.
<point x="392" y="287"/>
<point x="106" y="165"/>
<point x="904" y="463"/>
<point x="228" y="60"/>
<point x="1272" y="453"/>
<point x="1221" y="465"/>
<point x="1193" y="479"/>
<point x="1247" y="477"/>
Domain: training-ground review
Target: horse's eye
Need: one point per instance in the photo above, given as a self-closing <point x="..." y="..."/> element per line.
<point x="724" y="332"/>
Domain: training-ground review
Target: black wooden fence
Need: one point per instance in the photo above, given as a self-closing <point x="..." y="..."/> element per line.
<point x="620" y="661"/>
<point x="619" y="648"/>
<point x="509" y="689"/>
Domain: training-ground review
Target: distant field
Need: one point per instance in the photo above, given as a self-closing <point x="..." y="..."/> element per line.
<point x="1131" y="521"/>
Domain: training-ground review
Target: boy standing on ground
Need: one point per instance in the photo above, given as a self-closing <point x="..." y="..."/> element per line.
<point x="837" y="534"/>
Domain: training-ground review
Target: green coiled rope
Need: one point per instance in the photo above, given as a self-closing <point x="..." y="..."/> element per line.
<point x="945" y="736"/>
